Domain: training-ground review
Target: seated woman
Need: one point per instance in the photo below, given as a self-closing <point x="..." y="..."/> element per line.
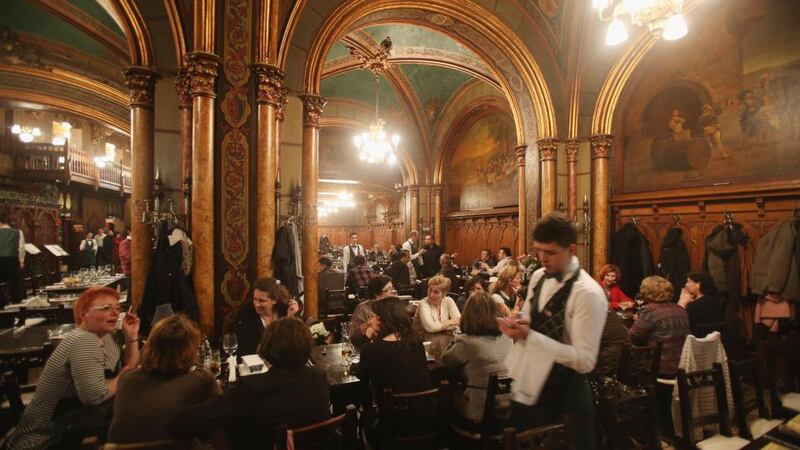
<point x="473" y="285"/>
<point x="360" y="329"/>
<point x="504" y="290"/>
<point x="83" y="370"/>
<point x="270" y="301"/>
<point x="477" y="354"/>
<point x="290" y="392"/>
<point x="437" y="312"/>
<point x="398" y="269"/>
<point x="699" y="297"/>
<point x="609" y="278"/>
<point x="149" y="397"/>
<point x="448" y="271"/>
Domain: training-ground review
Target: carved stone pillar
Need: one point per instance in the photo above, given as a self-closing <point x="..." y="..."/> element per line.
<point x="141" y="82"/>
<point x="438" y="231"/>
<point x="202" y="72"/>
<point x="312" y="109"/>
<point x="183" y="86"/>
<point x="547" y="158"/>
<point x="601" y="152"/>
<point x="572" y="147"/>
<point x="279" y="116"/>
<point x="414" y="193"/>
<point x="522" y="238"/>
<point x="269" y="81"/>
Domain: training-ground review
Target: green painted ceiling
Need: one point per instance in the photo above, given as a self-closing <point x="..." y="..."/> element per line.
<point x="413" y="36"/>
<point x="337" y="51"/>
<point x="27" y="17"/>
<point x="92" y="8"/>
<point x="434" y="86"/>
<point x="359" y="85"/>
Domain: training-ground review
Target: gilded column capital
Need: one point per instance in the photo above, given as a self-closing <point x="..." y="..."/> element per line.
<point x="601" y="145"/>
<point x="414" y="190"/>
<point x="520" y="151"/>
<point x="437" y="189"/>
<point x="547" y="149"/>
<point x="283" y="99"/>
<point x="269" y="84"/>
<point x="184" y="87"/>
<point x="572" y="146"/>
<point x="202" y="71"/>
<point x="142" y="83"/>
<point x="312" y="109"/>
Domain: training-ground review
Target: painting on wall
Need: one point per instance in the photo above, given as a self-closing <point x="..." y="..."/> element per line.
<point x="482" y="173"/>
<point x="719" y="107"/>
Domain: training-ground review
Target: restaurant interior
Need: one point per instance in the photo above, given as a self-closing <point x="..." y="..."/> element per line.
<point x="380" y="224"/>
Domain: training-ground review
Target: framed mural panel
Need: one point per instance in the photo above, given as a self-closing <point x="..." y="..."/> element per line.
<point x="720" y="107"/>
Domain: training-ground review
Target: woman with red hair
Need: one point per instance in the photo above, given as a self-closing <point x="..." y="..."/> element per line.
<point x="82" y="371"/>
<point x="609" y="278"/>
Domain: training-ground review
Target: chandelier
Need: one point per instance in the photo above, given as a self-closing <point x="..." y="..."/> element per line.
<point x="375" y="146"/>
<point x="662" y="17"/>
<point x="26" y="134"/>
<point x="339" y="201"/>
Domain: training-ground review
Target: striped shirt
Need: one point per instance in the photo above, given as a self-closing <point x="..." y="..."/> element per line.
<point x="75" y="369"/>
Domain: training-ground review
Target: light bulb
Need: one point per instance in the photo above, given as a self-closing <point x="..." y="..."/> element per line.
<point x="66" y="125"/>
<point x="26" y="137"/>
<point x="617" y="33"/>
<point x="16" y="129"/>
<point x="37" y="132"/>
<point x="675" y="28"/>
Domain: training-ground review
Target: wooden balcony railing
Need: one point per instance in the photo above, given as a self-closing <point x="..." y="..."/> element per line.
<point x="60" y="162"/>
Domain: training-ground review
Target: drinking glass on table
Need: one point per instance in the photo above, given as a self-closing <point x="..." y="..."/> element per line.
<point x="345" y="332"/>
<point x="230" y="344"/>
<point x="348" y="353"/>
<point x="639" y="299"/>
<point x="213" y="362"/>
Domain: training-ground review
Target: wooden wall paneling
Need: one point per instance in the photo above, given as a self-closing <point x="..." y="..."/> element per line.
<point x="467" y="233"/>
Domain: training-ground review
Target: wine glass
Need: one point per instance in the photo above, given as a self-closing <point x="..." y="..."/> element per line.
<point x="639" y="299"/>
<point x="213" y="363"/>
<point x="347" y="355"/>
<point x="345" y="332"/>
<point x="230" y="344"/>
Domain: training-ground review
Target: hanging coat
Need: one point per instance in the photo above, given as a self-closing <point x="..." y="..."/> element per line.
<point x="167" y="282"/>
<point x="776" y="265"/>
<point x="631" y="252"/>
<point x="675" y="262"/>
<point x="283" y="257"/>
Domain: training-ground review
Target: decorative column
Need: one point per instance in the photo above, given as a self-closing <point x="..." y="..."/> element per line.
<point x="601" y="151"/>
<point x="279" y="115"/>
<point x="269" y="81"/>
<point x="141" y="82"/>
<point x="202" y="71"/>
<point x="547" y="158"/>
<point x="414" y="192"/>
<point x="312" y="109"/>
<point x="183" y="86"/>
<point x="429" y="209"/>
<point x="572" y="147"/>
<point x="522" y="238"/>
<point x="438" y="231"/>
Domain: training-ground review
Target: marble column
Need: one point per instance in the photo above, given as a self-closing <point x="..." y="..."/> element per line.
<point x="202" y="71"/>
<point x="438" y="231"/>
<point x="269" y="81"/>
<point x="522" y="237"/>
<point x="547" y="158"/>
<point x="141" y="82"/>
<point x="312" y="109"/>
<point x="413" y="191"/>
<point x="601" y="152"/>
<point x="183" y="86"/>
<point x="572" y="147"/>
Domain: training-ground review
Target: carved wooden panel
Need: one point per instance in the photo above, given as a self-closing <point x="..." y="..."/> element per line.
<point x="468" y="235"/>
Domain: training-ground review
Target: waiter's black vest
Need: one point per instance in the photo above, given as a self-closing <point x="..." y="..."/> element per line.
<point x="350" y="263"/>
<point x="550" y="321"/>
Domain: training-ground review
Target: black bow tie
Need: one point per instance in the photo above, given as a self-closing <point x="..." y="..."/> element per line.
<point x="557" y="275"/>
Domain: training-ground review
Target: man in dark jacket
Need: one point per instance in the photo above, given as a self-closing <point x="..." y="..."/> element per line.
<point x="675" y="262"/>
<point x="431" y="258"/>
<point x="398" y="270"/>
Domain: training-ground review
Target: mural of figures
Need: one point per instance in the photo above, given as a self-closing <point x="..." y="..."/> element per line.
<point x="483" y="169"/>
<point x="721" y="106"/>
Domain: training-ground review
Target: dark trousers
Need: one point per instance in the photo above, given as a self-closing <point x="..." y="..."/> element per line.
<point x="566" y="392"/>
<point x="11" y="274"/>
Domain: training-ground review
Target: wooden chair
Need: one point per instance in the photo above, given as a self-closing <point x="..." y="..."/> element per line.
<point x="336" y="433"/>
<point x="415" y="419"/>
<point x="491" y="428"/>
<point x="637" y="401"/>
<point x="742" y="373"/>
<point x="692" y="381"/>
<point x="11" y="412"/>
<point x="335" y="303"/>
<point x="783" y="375"/>
<point x="38" y="282"/>
<point x="5" y="294"/>
<point x="547" y="437"/>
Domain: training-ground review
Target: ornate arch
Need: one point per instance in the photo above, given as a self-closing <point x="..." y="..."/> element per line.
<point x="127" y="16"/>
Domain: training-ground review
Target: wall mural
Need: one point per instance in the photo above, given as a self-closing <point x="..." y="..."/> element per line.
<point x="482" y="172"/>
<point x="721" y="106"/>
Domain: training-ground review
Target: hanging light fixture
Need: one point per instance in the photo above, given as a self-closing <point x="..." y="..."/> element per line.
<point x="375" y="146"/>
<point x="26" y="134"/>
<point x="662" y="17"/>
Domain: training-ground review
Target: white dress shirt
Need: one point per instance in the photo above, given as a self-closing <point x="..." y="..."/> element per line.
<point x="494" y="271"/>
<point x="21" y="245"/>
<point x="358" y="250"/>
<point x="414" y="256"/>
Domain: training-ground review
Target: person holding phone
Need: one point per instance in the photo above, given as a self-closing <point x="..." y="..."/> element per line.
<point x="557" y="336"/>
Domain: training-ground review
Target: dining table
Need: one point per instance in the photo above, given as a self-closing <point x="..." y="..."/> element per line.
<point x="56" y="289"/>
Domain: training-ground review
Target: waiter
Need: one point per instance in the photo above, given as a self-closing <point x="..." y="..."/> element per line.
<point x="416" y="253"/>
<point x="12" y="257"/>
<point x="350" y="252"/>
<point x="557" y="336"/>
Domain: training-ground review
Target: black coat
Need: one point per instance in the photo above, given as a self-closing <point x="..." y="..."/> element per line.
<point x="249" y="329"/>
<point x="675" y="263"/>
<point x="399" y="274"/>
<point x="431" y="264"/>
<point x="631" y="252"/>
<point x="283" y="259"/>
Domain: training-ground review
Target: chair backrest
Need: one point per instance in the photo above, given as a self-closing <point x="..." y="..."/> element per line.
<point x="547" y="437"/>
<point x="688" y="382"/>
<point x="335" y="302"/>
<point x="746" y="372"/>
<point x="5" y="293"/>
<point x="405" y="289"/>
<point x="493" y="421"/>
<point x="12" y="393"/>
<point x="638" y="366"/>
<point x="336" y="433"/>
<point x="411" y="419"/>
<point x="783" y="369"/>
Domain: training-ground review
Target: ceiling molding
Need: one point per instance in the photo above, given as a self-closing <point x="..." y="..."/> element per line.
<point x="454" y="99"/>
<point x="72" y="79"/>
<point x="176" y="30"/>
<point x="129" y="19"/>
<point x="87" y="24"/>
